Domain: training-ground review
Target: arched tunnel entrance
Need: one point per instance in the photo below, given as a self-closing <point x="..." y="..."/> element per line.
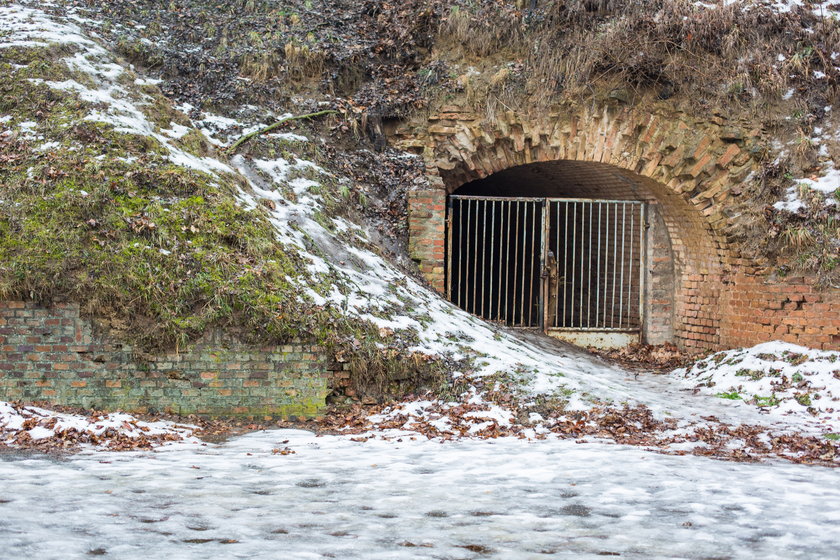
<point x="577" y="249"/>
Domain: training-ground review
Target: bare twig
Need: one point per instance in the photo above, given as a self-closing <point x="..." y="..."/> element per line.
<point x="233" y="147"/>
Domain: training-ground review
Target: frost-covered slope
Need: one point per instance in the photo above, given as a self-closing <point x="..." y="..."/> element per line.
<point x="343" y="274"/>
<point x="341" y="270"/>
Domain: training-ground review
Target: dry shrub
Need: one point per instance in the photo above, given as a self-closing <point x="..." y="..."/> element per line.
<point x="298" y="62"/>
<point x="725" y="56"/>
<point x="260" y="66"/>
<point x="483" y="32"/>
<point x="302" y="62"/>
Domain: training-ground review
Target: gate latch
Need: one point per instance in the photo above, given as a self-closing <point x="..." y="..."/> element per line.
<point x="550" y="268"/>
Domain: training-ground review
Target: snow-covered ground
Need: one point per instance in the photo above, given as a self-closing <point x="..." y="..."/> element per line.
<point x="821" y="8"/>
<point x="333" y="498"/>
<point x="785" y="380"/>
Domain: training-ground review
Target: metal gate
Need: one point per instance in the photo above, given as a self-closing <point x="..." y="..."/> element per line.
<point x="564" y="265"/>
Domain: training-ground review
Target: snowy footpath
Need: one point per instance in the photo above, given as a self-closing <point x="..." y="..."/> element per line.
<point x="292" y="495"/>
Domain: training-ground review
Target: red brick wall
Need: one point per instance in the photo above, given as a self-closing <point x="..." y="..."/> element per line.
<point x="759" y="309"/>
<point x="427" y="234"/>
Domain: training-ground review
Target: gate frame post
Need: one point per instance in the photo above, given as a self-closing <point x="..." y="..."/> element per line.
<point x="544" y="299"/>
<point x="448" y="270"/>
<point x="643" y="270"/>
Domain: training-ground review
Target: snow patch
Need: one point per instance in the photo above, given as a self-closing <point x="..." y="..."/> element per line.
<point x="28" y="27"/>
<point x="20" y="424"/>
<point x="780" y="378"/>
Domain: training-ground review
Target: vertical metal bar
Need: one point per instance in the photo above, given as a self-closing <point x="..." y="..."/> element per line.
<point x="526" y="255"/>
<point x="544" y="280"/>
<point x="565" y="256"/>
<point x="515" y="265"/>
<point x="621" y="290"/>
<point x="507" y="261"/>
<point x="582" y="242"/>
<point x="560" y="270"/>
<point x="492" y="258"/>
<point x="449" y="250"/>
<point x="630" y="281"/>
<point x="642" y="268"/>
<point x="536" y="228"/>
<point x="530" y="273"/>
<point x="531" y="256"/>
<point x="598" y="278"/>
<point x="524" y="248"/>
<point x="532" y="253"/>
<point x="467" y="256"/>
<point x="574" y="249"/>
<point x="615" y="269"/>
<point x="475" y="259"/>
<point x="589" y="272"/>
<point x="606" y="261"/>
<point x="615" y="261"/>
<point x="468" y="260"/>
<point x="465" y="259"/>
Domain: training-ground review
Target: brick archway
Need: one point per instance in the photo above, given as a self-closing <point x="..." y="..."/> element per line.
<point x="692" y="170"/>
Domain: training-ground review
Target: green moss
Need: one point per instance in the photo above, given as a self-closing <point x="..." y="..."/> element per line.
<point x="772" y="400"/>
<point x="105" y="219"/>
<point x="139" y="53"/>
<point x="195" y="143"/>
<point x="120" y="229"/>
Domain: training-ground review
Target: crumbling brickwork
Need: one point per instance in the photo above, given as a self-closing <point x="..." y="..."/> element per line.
<point x="760" y="308"/>
<point x="53" y="354"/>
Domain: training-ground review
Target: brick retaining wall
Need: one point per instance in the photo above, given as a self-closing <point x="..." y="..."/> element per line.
<point x="52" y="354"/>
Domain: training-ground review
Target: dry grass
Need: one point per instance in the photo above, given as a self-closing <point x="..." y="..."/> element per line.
<point x="303" y="63"/>
<point x="261" y="66"/>
<point x="723" y="57"/>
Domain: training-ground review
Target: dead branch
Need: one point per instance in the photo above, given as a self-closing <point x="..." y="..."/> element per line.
<point x="233" y="147"/>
